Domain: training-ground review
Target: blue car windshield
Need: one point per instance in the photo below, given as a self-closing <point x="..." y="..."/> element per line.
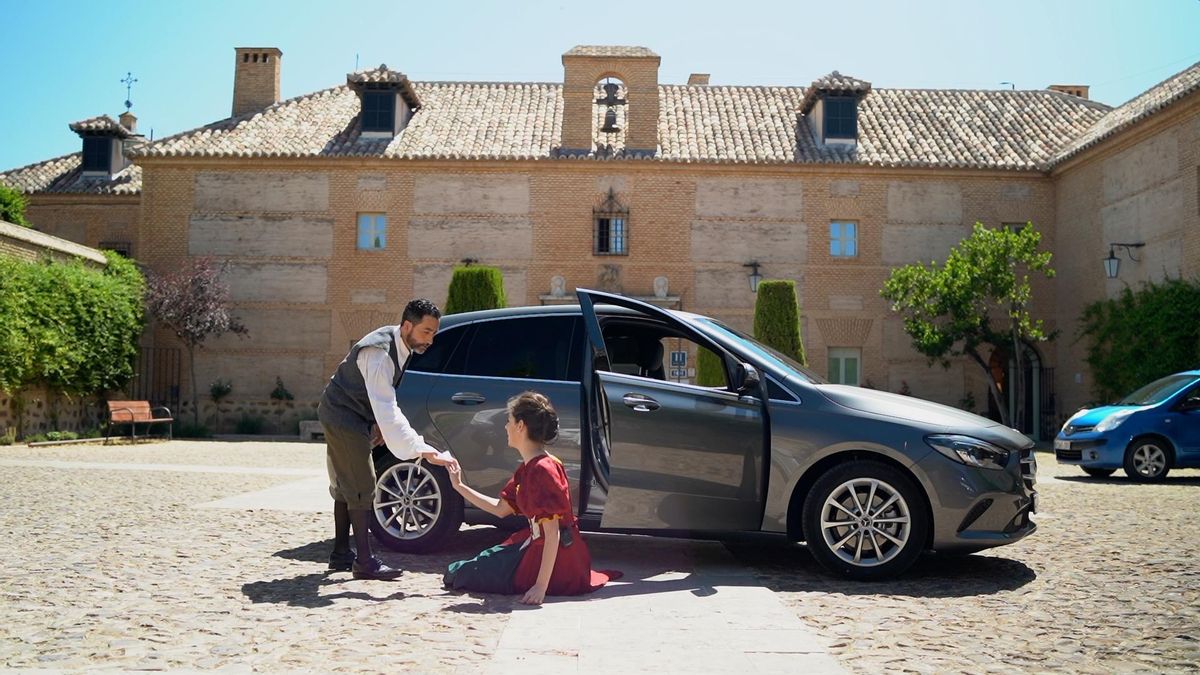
<point x="1157" y="391"/>
<point x="766" y="353"/>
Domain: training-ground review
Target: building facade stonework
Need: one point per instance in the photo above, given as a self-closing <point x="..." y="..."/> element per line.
<point x="710" y="178"/>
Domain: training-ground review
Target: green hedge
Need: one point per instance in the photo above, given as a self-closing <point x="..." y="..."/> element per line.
<point x="12" y="206"/>
<point x="1141" y="336"/>
<point x="473" y="288"/>
<point x="710" y="372"/>
<point x="72" y="328"/>
<point x="777" y="318"/>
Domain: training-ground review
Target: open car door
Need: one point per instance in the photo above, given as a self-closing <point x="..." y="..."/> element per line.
<point x="671" y="455"/>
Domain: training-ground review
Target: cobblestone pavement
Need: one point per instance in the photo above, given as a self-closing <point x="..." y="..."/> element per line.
<point x="115" y="568"/>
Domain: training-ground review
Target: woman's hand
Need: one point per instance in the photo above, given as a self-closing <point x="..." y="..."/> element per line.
<point x="534" y="596"/>
<point x="456" y="480"/>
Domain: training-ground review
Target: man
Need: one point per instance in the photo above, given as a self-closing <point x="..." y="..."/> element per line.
<point x="359" y="411"/>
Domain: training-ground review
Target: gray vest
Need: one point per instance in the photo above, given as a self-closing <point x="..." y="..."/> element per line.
<point x="344" y="403"/>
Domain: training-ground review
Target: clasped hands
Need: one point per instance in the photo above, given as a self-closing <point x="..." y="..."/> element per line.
<point x="430" y="455"/>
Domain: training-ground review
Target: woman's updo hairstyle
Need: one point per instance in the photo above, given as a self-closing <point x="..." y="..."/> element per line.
<point x="536" y="411"/>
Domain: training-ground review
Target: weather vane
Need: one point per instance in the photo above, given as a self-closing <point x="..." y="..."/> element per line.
<point x="128" y="82"/>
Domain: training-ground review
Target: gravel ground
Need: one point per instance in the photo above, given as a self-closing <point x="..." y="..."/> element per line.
<point x="112" y="568"/>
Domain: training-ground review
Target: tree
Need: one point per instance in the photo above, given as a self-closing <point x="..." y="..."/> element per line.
<point x="474" y="288"/>
<point x="192" y="302"/>
<point x="12" y="206"/>
<point x="948" y="308"/>
<point x="777" y="318"/>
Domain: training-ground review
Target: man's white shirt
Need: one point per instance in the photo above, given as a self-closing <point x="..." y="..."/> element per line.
<point x="378" y="370"/>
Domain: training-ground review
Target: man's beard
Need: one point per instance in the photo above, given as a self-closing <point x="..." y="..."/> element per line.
<point x="418" y="347"/>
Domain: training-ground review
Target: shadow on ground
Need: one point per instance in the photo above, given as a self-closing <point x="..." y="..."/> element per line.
<point x="791" y="568"/>
<point x="1118" y="479"/>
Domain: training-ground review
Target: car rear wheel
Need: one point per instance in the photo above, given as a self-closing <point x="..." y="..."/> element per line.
<point x="1147" y="459"/>
<point x="865" y="520"/>
<point x="1098" y="473"/>
<point x="415" y="507"/>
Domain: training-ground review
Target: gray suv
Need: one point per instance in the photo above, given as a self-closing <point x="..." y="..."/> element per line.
<point x="868" y="479"/>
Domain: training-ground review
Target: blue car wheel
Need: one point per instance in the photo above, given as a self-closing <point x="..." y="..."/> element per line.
<point x="1148" y="459"/>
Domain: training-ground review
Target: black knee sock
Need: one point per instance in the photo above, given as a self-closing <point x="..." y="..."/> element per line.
<point x="341" y="527"/>
<point x="362" y="536"/>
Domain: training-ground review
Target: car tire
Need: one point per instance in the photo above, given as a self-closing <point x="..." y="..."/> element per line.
<point x="1148" y="459"/>
<point x="1098" y="473"/>
<point x="415" y="507"/>
<point x="839" y="494"/>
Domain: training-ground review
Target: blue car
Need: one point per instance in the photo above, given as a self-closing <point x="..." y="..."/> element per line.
<point x="1148" y="433"/>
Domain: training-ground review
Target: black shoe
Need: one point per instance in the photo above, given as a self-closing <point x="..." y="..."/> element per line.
<point x="341" y="561"/>
<point x="374" y="568"/>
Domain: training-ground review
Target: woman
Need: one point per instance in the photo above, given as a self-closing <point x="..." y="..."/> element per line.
<point x="550" y="556"/>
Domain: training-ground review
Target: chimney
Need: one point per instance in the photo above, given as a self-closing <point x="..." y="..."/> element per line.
<point x="255" y="79"/>
<point x="698" y="79"/>
<point x="129" y="121"/>
<point x="1080" y="90"/>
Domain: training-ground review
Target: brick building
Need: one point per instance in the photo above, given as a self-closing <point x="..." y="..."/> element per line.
<point x="333" y="208"/>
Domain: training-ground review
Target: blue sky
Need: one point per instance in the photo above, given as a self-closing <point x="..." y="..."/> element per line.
<point x="63" y="61"/>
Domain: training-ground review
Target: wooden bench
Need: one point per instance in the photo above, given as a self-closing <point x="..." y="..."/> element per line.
<point x="134" y="413"/>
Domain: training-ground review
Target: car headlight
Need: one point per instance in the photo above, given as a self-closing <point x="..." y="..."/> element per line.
<point x="969" y="451"/>
<point x="1114" y="420"/>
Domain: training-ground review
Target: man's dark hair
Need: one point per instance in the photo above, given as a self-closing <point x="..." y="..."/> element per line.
<point x="418" y="309"/>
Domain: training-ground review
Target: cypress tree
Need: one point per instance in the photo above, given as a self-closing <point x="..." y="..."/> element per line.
<point x="777" y="318"/>
<point x="473" y="288"/>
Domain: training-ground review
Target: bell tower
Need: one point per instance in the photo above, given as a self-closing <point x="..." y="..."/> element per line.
<point x="586" y="66"/>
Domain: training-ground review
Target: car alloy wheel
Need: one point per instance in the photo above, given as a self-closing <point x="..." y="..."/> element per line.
<point x="865" y="520"/>
<point x="1147" y="460"/>
<point x="415" y="507"/>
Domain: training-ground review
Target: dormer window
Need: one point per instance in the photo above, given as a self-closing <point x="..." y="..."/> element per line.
<point x="831" y="108"/>
<point x="841" y="117"/>
<point x="387" y="101"/>
<point x="97" y="154"/>
<point x="103" y="145"/>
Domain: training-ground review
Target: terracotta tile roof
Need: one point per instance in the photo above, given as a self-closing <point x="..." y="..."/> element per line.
<point x="833" y="83"/>
<point x="1139" y="107"/>
<point x="609" y="51"/>
<point x="62" y="175"/>
<point x="100" y="123"/>
<point x="465" y="120"/>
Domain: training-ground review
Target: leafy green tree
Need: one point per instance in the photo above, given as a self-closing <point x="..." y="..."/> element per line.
<point x="475" y="287"/>
<point x="777" y="318"/>
<point x="1142" y="335"/>
<point x="948" y="308"/>
<point x="12" y="206"/>
<point x="193" y="302"/>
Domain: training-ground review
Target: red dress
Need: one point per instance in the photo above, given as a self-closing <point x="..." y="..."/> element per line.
<point x="539" y="491"/>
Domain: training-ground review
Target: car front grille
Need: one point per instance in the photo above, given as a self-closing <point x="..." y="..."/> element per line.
<point x="1077" y="430"/>
<point x="1070" y="455"/>
<point x="1028" y="468"/>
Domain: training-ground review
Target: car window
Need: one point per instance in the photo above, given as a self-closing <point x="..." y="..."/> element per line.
<point x="777" y="393"/>
<point x="1157" y="391"/>
<point x="437" y="357"/>
<point x="654" y="350"/>
<point x="768" y="353"/>
<point x="535" y="347"/>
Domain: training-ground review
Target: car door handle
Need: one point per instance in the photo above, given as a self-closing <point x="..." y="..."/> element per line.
<point x="468" y="398"/>
<point x="640" y="403"/>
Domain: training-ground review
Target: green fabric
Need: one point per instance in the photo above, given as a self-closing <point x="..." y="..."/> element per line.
<point x="491" y="571"/>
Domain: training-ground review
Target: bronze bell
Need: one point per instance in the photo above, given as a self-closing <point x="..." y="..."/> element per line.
<point x="610" y="95"/>
<point x="610" y="122"/>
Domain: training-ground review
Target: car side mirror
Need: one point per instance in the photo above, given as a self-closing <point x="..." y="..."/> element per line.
<point x="1190" y="404"/>
<point x="748" y="379"/>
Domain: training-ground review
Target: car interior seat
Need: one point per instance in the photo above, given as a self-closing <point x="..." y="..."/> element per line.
<point x="623" y="354"/>
<point x="650" y="360"/>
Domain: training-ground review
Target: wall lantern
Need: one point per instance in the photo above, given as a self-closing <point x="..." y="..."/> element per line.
<point x="1112" y="264"/>
<point x="755" y="277"/>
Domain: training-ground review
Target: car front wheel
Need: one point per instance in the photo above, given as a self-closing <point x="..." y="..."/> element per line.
<point x="865" y="520"/>
<point x="1147" y="459"/>
<point x="415" y="507"/>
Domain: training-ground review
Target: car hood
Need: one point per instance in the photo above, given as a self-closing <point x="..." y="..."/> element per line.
<point x="1093" y="416"/>
<point x="938" y="417"/>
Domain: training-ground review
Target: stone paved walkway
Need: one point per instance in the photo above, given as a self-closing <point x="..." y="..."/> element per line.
<point x="111" y="563"/>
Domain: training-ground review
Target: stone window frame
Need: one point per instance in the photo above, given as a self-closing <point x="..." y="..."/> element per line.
<point x="378" y="234"/>
<point x="610" y="227"/>
<point x="839" y="239"/>
<point x="841" y="117"/>
<point x="841" y="355"/>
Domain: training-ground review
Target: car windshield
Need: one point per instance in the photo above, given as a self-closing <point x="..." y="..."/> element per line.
<point x="1157" y="391"/>
<point x="766" y="353"/>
